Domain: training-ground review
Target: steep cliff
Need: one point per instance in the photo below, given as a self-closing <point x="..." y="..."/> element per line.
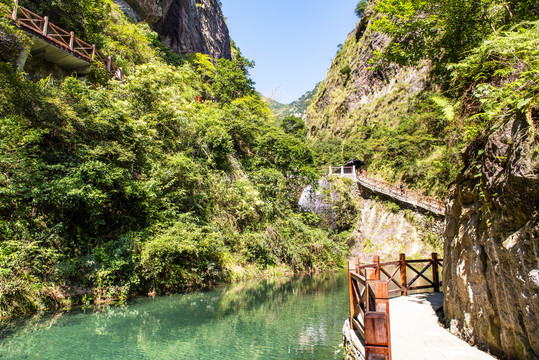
<point x="188" y="26"/>
<point x="383" y="115"/>
<point x="491" y="272"/>
<point x="350" y="85"/>
<point x="491" y="267"/>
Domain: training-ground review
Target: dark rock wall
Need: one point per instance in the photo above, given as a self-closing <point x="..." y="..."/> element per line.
<point x="491" y="254"/>
<point x="188" y="26"/>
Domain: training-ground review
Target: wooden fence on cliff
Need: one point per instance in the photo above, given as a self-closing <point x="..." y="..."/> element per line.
<point x="42" y="28"/>
<point x="392" y="190"/>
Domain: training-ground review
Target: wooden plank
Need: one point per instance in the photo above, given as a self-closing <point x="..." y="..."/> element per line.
<point x="376" y="331"/>
<point x="418" y="261"/>
<point x="360" y="328"/>
<point x="404" y="281"/>
<point x="376" y="353"/>
<point x="357" y="276"/>
<point x="381" y="289"/>
<point x="419" y="274"/>
<point x="390" y="277"/>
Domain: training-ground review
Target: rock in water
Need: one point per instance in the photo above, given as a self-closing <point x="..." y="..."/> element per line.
<point x="491" y="263"/>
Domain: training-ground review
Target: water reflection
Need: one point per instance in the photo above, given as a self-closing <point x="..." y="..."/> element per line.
<point x="299" y="318"/>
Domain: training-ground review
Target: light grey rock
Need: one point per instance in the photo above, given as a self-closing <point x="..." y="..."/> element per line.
<point x="490" y="275"/>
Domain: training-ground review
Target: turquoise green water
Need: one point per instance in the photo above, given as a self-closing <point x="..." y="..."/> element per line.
<point x="298" y="318"/>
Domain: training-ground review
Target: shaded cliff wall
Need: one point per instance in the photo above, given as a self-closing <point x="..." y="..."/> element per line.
<point x="188" y="26"/>
<point x="491" y="267"/>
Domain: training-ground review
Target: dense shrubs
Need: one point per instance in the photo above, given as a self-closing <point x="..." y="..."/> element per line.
<point x="114" y="188"/>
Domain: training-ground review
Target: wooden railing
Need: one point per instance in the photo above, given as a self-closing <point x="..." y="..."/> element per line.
<point x="370" y="286"/>
<point x="394" y="191"/>
<point x="349" y="171"/>
<point x="401" y="194"/>
<point x="62" y="39"/>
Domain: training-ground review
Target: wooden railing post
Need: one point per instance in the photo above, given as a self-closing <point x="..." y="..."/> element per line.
<point x="376" y="260"/>
<point x="94" y="50"/>
<point x="351" y="267"/>
<point x="329" y="170"/>
<point x="377" y="327"/>
<point x="71" y="40"/>
<point x="109" y="63"/>
<point x="435" y="277"/>
<point x="381" y="289"/>
<point x="404" y="281"/>
<point x="45" y="25"/>
<point x="15" y="11"/>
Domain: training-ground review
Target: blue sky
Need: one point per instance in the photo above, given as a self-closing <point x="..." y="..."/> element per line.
<point x="291" y="41"/>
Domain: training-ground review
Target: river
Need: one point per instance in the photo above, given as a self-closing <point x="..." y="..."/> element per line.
<point x="297" y="318"/>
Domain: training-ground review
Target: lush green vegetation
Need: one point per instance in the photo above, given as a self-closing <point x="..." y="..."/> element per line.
<point x="478" y="60"/>
<point x="444" y="30"/>
<point x="109" y="189"/>
<point x="361" y="7"/>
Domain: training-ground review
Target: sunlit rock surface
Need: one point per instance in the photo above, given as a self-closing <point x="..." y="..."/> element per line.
<point x="188" y="26"/>
<point x="491" y="265"/>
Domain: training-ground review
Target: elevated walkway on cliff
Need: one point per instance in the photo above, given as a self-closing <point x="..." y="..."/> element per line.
<point x="58" y="46"/>
<point x="405" y="196"/>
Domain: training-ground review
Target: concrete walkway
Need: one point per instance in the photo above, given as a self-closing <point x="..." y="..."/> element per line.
<point x="416" y="334"/>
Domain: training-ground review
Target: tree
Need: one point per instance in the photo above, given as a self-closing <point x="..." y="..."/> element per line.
<point x="443" y="30"/>
<point x="361" y="7"/>
<point x="294" y="126"/>
<point x="231" y="80"/>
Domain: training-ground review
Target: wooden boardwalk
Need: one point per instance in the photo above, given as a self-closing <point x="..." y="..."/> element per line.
<point x="59" y="46"/>
<point x="384" y="327"/>
<point x="393" y="191"/>
<point x="416" y="334"/>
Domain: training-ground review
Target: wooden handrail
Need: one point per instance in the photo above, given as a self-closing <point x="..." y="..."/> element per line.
<point x="369" y="297"/>
<point x="62" y="39"/>
<point x="394" y="191"/>
<point x="410" y="197"/>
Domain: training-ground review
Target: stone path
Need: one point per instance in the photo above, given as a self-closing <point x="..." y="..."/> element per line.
<point x="416" y="334"/>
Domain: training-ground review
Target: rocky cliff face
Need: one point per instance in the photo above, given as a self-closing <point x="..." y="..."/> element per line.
<point x="491" y="255"/>
<point x="188" y="26"/>
<point x="340" y="103"/>
<point x="388" y="232"/>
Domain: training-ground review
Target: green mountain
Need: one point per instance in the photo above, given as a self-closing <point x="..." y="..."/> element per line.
<point x="297" y="108"/>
